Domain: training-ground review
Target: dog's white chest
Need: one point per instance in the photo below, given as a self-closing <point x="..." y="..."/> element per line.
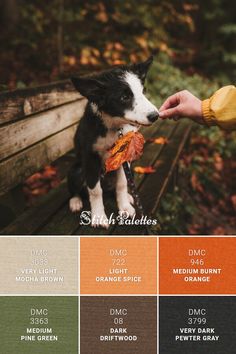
<point x="103" y="144"/>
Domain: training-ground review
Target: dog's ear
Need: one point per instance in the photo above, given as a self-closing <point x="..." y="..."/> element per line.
<point x="89" y="87"/>
<point x="141" y="69"/>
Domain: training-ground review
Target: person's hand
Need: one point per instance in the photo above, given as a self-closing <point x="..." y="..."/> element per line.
<point x="182" y="104"/>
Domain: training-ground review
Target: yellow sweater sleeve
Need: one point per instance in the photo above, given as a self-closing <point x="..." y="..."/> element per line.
<point x="220" y="109"/>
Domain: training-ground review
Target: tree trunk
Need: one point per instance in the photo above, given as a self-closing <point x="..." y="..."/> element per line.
<point x="60" y="35"/>
<point x="9" y="14"/>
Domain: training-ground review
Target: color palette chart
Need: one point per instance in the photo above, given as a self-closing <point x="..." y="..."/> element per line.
<point x="117" y="295"/>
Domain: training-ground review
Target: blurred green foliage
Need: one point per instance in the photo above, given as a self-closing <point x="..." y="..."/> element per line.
<point x="164" y="79"/>
<point x="42" y="41"/>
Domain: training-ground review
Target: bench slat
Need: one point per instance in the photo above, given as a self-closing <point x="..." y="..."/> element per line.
<point x="18" y="136"/>
<point x="153" y="188"/>
<point x="64" y="222"/>
<point x="165" y="129"/>
<point x="17" y="104"/>
<point x="30" y="221"/>
<point x="16" y="169"/>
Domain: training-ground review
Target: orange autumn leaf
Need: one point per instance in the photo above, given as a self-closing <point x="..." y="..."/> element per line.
<point x="161" y="140"/>
<point x="196" y="185"/>
<point x="128" y="148"/>
<point x="49" y="172"/>
<point x="33" y="179"/>
<point x="146" y="169"/>
<point x="41" y="183"/>
<point x="233" y="199"/>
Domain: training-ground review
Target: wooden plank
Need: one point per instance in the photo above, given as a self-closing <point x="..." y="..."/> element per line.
<point x="64" y="222"/>
<point x="18" y="136"/>
<point x="16" y="169"/>
<point x="35" y="217"/>
<point x="20" y="103"/>
<point x="154" y="186"/>
<point x="151" y="152"/>
<point x="110" y="207"/>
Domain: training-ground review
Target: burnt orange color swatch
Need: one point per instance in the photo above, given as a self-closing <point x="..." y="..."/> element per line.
<point x="199" y="265"/>
<point x="118" y="265"/>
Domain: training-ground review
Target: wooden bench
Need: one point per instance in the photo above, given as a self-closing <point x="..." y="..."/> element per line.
<point x="37" y="128"/>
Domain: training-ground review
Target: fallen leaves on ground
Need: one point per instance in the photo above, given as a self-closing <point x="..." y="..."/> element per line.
<point x="218" y="162"/>
<point x="145" y="169"/>
<point x="219" y="230"/>
<point x="212" y="184"/>
<point x="128" y="148"/>
<point x="233" y="199"/>
<point x="196" y="183"/>
<point x="161" y="140"/>
<point x="41" y="183"/>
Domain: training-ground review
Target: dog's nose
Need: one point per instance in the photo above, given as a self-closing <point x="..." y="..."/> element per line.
<point x="153" y="116"/>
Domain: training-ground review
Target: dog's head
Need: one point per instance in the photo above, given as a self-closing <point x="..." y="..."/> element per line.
<point x="119" y="93"/>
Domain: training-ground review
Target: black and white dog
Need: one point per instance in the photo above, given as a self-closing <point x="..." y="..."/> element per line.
<point x="116" y="102"/>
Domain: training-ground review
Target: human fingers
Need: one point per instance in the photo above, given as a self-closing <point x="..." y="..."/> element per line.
<point x="170" y="113"/>
<point x="170" y="102"/>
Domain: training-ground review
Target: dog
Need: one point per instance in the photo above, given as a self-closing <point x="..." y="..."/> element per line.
<point x="116" y="102"/>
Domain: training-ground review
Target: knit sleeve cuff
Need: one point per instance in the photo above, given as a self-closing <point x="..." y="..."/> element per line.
<point x="206" y="113"/>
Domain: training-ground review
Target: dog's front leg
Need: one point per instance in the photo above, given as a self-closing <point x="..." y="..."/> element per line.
<point x="98" y="216"/>
<point x="124" y="199"/>
<point x="93" y="172"/>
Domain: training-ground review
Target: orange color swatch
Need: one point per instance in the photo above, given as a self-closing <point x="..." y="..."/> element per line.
<point x="199" y="265"/>
<point x="118" y="265"/>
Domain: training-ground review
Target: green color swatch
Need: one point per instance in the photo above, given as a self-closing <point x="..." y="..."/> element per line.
<point x="39" y="325"/>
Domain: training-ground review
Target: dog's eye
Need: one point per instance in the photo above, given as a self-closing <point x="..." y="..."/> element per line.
<point x="125" y="97"/>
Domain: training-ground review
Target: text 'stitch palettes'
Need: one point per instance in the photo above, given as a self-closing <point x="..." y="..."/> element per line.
<point x="117" y="295"/>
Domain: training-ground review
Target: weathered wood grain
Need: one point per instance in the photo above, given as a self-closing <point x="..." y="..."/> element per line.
<point x="154" y="186"/>
<point x="22" y="134"/>
<point x="164" y="129"/>
<point x="16" y="169"/>
<point x="17" y="104"/>
<point x="64" y="222"/>
<point x="33" y="218"/>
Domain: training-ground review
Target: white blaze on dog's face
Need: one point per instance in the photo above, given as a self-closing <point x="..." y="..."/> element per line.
<point x="142" y="111"/>
<point x="117" y="95"/>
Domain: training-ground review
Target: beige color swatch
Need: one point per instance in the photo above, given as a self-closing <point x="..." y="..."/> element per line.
<point x="38" y="265"/>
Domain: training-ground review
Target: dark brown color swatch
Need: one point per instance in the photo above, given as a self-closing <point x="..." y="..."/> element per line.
<point x="118" y="325"/>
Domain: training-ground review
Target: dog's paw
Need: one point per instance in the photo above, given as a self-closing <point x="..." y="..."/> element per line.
<point x="75" y="204"/>
<point x="127" y="209"/>
<point x="130" y="198"/>
<point x="100" y="220"/>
